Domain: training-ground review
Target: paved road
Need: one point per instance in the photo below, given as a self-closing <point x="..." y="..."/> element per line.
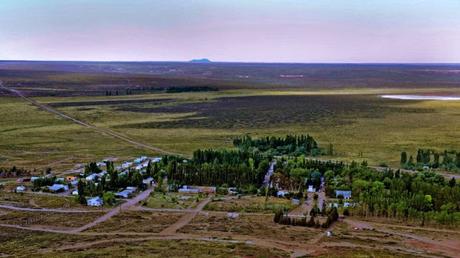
<point x="104" y="131"/>
<point x="131" y="202"/>
<point x="10" y="207"/>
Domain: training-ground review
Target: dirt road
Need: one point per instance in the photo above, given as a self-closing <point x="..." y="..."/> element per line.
<point x="131" y="202"/>
<point x="104" y="131"/>
<point x="10" y="207"/>
<point x="185" y="219"/>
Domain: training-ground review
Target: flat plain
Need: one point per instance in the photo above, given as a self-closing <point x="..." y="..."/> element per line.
<point x="69" y="113"/>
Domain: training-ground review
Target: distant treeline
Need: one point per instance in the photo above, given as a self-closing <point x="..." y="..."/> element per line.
<point x="290" y="145"/>
<point x="449" y="160"/>
<point x="173" y="89"/>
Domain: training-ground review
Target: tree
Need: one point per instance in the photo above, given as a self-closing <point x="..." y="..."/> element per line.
<point x="452" y="182"/>
<point x="109" y="198"/>
<point x="81" y="192"/>
<point x="330" y="150"/>
<point x="403" y="157"/>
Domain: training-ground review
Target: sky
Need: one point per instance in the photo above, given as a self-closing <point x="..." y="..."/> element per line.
<point x="306" y="31"/>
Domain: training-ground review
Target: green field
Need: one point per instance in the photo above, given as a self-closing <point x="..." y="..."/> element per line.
<point x="359" y="124"/>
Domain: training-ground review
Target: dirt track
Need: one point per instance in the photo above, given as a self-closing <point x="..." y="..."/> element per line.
<point x="116" y="210"/>
<point x="104" y="131"/>
<point x="10" y="207"/>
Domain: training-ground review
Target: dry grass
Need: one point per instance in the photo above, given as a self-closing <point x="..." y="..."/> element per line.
<point x="249" y="204"/>
<point x="259" y="226"/>
<point x="138" y="221"/>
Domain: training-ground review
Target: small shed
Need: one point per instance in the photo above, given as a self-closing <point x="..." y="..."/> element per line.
<point x="95" y="201"/>
<point x="344" y="194"/>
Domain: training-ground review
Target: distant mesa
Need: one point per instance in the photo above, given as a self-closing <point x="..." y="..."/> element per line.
<point x="202" y="60"/>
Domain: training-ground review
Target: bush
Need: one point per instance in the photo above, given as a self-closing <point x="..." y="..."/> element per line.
<point x="346" y="212"/>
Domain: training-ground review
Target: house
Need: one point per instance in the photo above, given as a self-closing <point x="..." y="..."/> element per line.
<point x="311" y="189"/>
<point x="34" y="178"/>
<point x="188" y="189"/>
<point x="70" y="178"/>
<point x="100" y="164"/>
<point x="140" y="159"/>
<point x="128" y="192"/>
<point x="156" y="160"/>
<point x="282" y="193"/>
<point x="295" y="201"/>
<point x="95" y="201"/>
<point x="58" y="188"/>
<point x="75" y="192"/>
<point x="233" y="215"/>
<point x="232" y="190"/>
<point x="197" y="189"/>
<point x="345" y="194"/>
<point x="126" y="165"/>
<point x="148" y="181"/>
<point x="123" y="194"/>
<point x="20" y="189"/>
<point x="91" y="177"/>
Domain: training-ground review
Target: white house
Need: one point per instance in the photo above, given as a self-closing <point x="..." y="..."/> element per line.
<point x="345" y="194"/>
<point x="34" y="178"/>
<point x="91" y="177"/>
<point x="281" y="193"/>
<point x="95" y="201"/>
<point x="75" y="192"/>
<point x="311" y="189"/>
<point x="20" y="189"/>
<point x="148" y="181"/>
<point x="156" y="159"/>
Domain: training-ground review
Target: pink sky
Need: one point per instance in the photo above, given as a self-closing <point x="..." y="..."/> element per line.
<point x="250" y="31"/>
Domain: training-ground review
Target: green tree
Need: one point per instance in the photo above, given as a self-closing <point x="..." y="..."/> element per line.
<point x="403" y="157"/>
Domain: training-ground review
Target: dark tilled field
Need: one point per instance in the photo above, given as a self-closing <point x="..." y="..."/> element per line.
<point x="109" y="102"/>
<point x="272" y="111"/>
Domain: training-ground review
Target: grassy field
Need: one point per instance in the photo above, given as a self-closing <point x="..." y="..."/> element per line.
<point x="172" y="200"/>
<point x="259" y="226"/>
<point x="359" y="124"/>
<point x="29" y="200"/>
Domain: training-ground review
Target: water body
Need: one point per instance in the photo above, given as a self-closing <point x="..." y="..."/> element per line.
<point x="421" y="97"/>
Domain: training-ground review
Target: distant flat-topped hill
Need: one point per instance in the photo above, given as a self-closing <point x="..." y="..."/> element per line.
<point x="201" y="60"/>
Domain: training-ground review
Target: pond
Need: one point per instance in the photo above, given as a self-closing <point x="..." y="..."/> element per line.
<point x="421" y="97"/>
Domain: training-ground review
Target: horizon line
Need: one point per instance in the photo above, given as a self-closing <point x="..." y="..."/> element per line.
<point x="229" y="62"/>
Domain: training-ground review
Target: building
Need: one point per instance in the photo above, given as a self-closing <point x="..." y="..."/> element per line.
<point x="345" y="194"/>
<point x="55" y="188"/>
<point x="281" y="193"/>
<point x="95" y="201"/>
<point x="148" y="181"/>
<point x="20" y="189"/>
<point x="128" y="192"/>
<point x="140" y="159"/>
<point x="70" y="178"/>
<point x="35" y="178"/>
<point x="197" y="189"/>
<point x="91" y="177"/>
<point x="311" y="189"/>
